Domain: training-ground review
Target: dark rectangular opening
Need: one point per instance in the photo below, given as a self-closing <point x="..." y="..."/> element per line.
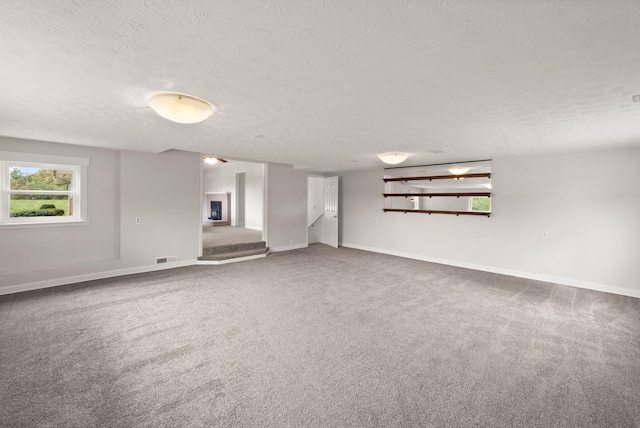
<point x="216" y="210"/>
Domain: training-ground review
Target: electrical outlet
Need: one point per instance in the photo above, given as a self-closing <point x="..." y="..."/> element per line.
<point x="636" y="98"/>
<point x="137" y="220"/>
<point x="545" y="234"/>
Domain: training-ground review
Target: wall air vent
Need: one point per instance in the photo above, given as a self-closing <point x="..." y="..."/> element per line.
<point x="167" y="259"/>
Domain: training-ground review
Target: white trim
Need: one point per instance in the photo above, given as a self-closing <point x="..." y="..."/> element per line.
<point x="91" y="276"/>
<point x="77" y="191"/>
<point x="234" y="260"/>
<point x="287" y="248"/>
<point x="520" y="274"/>
<point x="43" y="224"/>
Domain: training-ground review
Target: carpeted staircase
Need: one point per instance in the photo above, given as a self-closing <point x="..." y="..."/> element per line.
<point x="233" y="251"/>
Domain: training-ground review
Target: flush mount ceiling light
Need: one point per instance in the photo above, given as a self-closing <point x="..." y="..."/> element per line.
<point x="181" y="108"/>
<point x="459" y="171"/>
<point x="393" y="157"/>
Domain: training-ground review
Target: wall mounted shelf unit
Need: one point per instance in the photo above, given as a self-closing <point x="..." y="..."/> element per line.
<point x="438" y="177"/>
<point x="434" y="189"/>
<point x="429" y="195"/>
<point x="397" y="210"/>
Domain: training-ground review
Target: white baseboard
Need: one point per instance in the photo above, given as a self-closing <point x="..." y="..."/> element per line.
<point x="502" y="271"/>
<point x="234" y="260"/>
<point x="287" y="248"/>
<point x="92" y="276"/>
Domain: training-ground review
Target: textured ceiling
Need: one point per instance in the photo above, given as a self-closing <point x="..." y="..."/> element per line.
<point x="326" y="85"/>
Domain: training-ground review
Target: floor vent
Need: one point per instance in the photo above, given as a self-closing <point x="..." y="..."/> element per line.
<point x="167" y="259"/>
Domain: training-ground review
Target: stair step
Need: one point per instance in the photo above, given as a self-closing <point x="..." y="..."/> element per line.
<point x="234" y="255"/>
<point x="234" y="248"/>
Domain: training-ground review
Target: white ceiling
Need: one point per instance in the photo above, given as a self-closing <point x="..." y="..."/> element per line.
<point x="326" y="84"/>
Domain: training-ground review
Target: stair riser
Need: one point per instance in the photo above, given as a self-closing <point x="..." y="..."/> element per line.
<point x="234" y="248"/>
<point x="227" y="256"/>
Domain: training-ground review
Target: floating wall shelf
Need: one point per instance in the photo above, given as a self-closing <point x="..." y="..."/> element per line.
<point x="438" y="177"/>
<point x="397" y="210"/>
<point x="456" y="194"/>
<point x="404" y="182"/>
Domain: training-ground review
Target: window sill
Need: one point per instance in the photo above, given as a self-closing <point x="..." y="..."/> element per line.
<point x="43" y="224"/>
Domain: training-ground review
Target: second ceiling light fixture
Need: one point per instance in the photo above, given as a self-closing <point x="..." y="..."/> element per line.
<point x="393" y="158"/>
<point x="181" y="108"/>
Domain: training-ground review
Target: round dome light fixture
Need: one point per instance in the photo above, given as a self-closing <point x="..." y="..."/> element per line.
<point x="459" y="170"/>
<point x="181" y="108"/>
<point x="393" y="158"/>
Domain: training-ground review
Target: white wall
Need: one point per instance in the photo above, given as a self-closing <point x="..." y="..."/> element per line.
<point x="286" y="207"/>
<point x="588" y="203"/>
<point x="162" y="189"/>
<point x="221" y="178"/>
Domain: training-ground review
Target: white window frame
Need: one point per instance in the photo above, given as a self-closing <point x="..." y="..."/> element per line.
<point x="77" y="191"/>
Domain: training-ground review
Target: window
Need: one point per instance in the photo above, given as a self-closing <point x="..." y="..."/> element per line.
<point x="480" y="204"/>
<point x="48" y="191"/>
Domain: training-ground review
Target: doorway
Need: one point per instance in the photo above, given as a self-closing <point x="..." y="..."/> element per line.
<point x="242" y="236"/>
<point x="322" y="210"/>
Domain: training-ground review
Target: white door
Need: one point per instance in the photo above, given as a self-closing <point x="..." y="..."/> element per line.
<point x="331" y="211"/>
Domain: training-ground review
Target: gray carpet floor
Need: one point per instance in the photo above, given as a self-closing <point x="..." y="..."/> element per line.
<point x="213" y="236"/>
<point x="319" y="337"/>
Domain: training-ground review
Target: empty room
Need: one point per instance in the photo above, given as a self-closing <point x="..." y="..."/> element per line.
<point x="387" y="213"/>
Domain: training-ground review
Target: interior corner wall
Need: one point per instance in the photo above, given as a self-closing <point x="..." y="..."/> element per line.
<point x="286" y="207"/>
<point x="221" y="178"/>
<point x="587" y="202"/>
<point x="31" y="254"/>
<point x="162" y="189"/>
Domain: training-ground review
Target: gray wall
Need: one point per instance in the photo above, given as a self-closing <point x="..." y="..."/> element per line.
<point x="27" y="252"/>
<point x="165" y="190"/>
<point x="286" y="207"/>
<point x="587" y="202"/>
<point x="162" y="189"/>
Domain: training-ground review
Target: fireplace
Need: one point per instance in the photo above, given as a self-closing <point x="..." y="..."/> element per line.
<point x="216" y="210"/>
